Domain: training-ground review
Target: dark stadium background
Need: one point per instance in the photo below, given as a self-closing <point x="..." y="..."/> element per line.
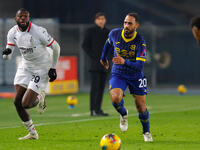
<point x="164" y="25"/>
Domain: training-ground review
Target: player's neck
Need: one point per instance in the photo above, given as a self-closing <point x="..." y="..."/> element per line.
<point x="23" y="28"/>
<point x="128" y="36"/>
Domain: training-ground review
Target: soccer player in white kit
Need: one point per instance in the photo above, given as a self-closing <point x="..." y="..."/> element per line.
<point x="36" y="65"/>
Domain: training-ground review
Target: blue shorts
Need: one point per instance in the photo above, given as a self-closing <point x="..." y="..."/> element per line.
<point x="136" y="87"/>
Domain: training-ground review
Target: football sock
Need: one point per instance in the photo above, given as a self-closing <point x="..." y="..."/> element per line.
<point x="120" y="108"/>
<point x="30" y="127"/>
<point x="144" y="119"/>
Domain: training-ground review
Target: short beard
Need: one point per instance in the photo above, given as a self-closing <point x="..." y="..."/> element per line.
<point x="23" y="28"/>
<point x="128" y="34"/>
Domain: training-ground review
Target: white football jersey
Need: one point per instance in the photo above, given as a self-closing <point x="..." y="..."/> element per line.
<point x="32" y="44"/>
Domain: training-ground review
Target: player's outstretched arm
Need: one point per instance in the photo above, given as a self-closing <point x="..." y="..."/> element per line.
<point x="56" y="53"/>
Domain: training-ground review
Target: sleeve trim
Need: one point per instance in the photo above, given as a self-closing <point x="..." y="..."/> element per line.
<point x="50" y="43"/>
<point x="11" y="44"/>
<point x="29" y="27"/>
<point x="141" y="59"/>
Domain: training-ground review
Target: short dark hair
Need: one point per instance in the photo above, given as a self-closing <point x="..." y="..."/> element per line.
<point x="22" y="10"/>
<point x="135" y="15"/>
<point x="195" y="21"/>
<point x="97" y="15"/>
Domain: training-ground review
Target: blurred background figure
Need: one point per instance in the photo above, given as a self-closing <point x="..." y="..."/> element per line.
<point x="195" y="25"/>
<point x="93" y="43"/>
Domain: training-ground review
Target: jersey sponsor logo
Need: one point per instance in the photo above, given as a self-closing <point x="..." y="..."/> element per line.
<point x="26" y="50"/>
<point x="125" y="53"/>
<point x="117" y="42"/>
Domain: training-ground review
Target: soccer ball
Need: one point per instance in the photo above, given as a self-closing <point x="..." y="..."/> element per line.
<point x="110" y="142"/>
<point x="182" y="89"/>
<point x="72" y="101"/>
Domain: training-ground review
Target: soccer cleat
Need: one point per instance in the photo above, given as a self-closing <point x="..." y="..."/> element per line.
<point x="42" y="104"/>
<point x="124" y="122"/>
<point x="148" y="137"/>
<point x="30" y="137"/>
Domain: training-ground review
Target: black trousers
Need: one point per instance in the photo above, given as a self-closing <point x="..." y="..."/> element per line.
<point x="98" y="82"/>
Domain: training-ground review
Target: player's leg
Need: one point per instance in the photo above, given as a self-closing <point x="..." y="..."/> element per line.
<point x="143" y="112"/>
<point x="117" y="88"/>
<point x="30" y="99"/>
<point x="21" y="81"/>
<point x="33" y="97"/>
<point x="23" y="113"/>
<point x="138" y="89"/>
<point x="143" y="116"/>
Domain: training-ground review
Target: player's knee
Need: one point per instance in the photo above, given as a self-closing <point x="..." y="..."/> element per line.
<point x="25" y="104"/>
<point x="116" y="96"/>
<point x="141" y="108"/>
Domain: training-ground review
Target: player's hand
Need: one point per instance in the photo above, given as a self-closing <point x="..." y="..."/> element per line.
<point x="105" y="64"/>
<point x="7" y="51"/>
<point x="118" y="60"/>
<point x="52" y="74"/>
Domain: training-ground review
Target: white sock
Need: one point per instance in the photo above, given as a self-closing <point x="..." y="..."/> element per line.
<point x="30" y="127"/>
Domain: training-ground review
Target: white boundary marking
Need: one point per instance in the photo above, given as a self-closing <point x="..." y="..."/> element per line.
<point x="97" y="118"/>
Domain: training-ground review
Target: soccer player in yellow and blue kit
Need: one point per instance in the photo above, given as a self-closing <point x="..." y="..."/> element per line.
<point x="127" y="70"/>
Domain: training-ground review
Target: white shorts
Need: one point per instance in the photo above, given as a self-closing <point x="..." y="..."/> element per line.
<point x="36" y="80"/>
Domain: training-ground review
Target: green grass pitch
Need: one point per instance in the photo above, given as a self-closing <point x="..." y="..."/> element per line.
<point x="175" y="124"/>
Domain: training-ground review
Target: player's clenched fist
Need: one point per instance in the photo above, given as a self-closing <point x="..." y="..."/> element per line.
<point x="105" y="63"/>
<point x="118" y="60"/>
<point x="7" y="51"/>
<point x="52" y="74"/>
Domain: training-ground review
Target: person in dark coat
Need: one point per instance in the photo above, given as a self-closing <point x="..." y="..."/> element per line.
<point x="93" y="44"/>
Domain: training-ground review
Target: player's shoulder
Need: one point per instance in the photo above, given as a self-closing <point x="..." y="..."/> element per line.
<point x="37" y="28"/>
<point x="13" y="30"/>
<point x="140" y="38"/>
<point x="115" y="31"/>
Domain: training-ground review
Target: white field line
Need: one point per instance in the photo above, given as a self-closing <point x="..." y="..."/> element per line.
<point x="98" y="118"/>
